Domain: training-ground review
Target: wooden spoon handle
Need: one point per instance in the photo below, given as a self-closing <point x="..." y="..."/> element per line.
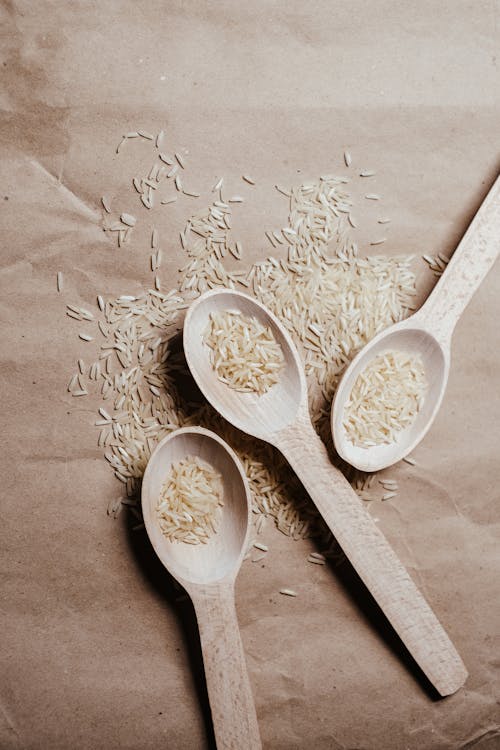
<point x="229" y="691"/>
<point x="470" y="263"/>
<point x="372" y="557"/>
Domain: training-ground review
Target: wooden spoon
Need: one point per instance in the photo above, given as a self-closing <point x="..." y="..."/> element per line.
<point x="207" y="572"/>
<point x="281" y="417"/>
<point x="428" y="332"/>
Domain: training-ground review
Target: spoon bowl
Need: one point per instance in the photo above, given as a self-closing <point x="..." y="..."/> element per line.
<point x="257" y="415"/>
<point x="208" y="571"/>
<point x="221" y="555"/>
<point x="406" y="337"/>
<point x="428" y="333"/>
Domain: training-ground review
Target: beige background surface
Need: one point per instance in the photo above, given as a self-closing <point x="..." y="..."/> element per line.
<point x="95" y="652"/>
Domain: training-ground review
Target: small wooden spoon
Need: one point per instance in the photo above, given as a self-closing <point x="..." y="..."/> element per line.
<point x="281" y="417"/>
<point x="428" y="332"/>
<point x="207" y="572"/>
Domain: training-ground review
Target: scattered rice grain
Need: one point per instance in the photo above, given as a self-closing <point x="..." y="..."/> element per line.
<point x="288" y="592"/>
<point x="316" y="560"/>
<point x="128" y="219"/>
<point x="389" y="495"/>
<point x="180" y="160"/>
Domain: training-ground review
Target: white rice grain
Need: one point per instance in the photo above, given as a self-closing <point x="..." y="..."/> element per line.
<point x="262" y="547"/>
<point x="385" y="398"/>
<point x="243" y="352"/>
<point x="128" y="219"/>
<point x="190" y="501"/>
<point x="389" y="495"/>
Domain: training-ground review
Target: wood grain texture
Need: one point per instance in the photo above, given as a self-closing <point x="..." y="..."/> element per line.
<point x="371" y="556"/>
<point x="471" y="261"/>
<point x="229" y="691"/>
<point x="207" y="572"/>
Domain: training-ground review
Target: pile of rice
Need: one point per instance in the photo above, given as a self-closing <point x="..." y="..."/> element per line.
<point x="244" y="353"/>
<point x="331" y="300"/>
<point x="189" y="500"/>
<point x="385" y="399"/>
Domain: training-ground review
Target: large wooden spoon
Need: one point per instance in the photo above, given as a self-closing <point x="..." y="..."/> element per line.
<point x="428" y="333"/>
<point x="207" y="572"/>
<point x="281" y="417"/>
